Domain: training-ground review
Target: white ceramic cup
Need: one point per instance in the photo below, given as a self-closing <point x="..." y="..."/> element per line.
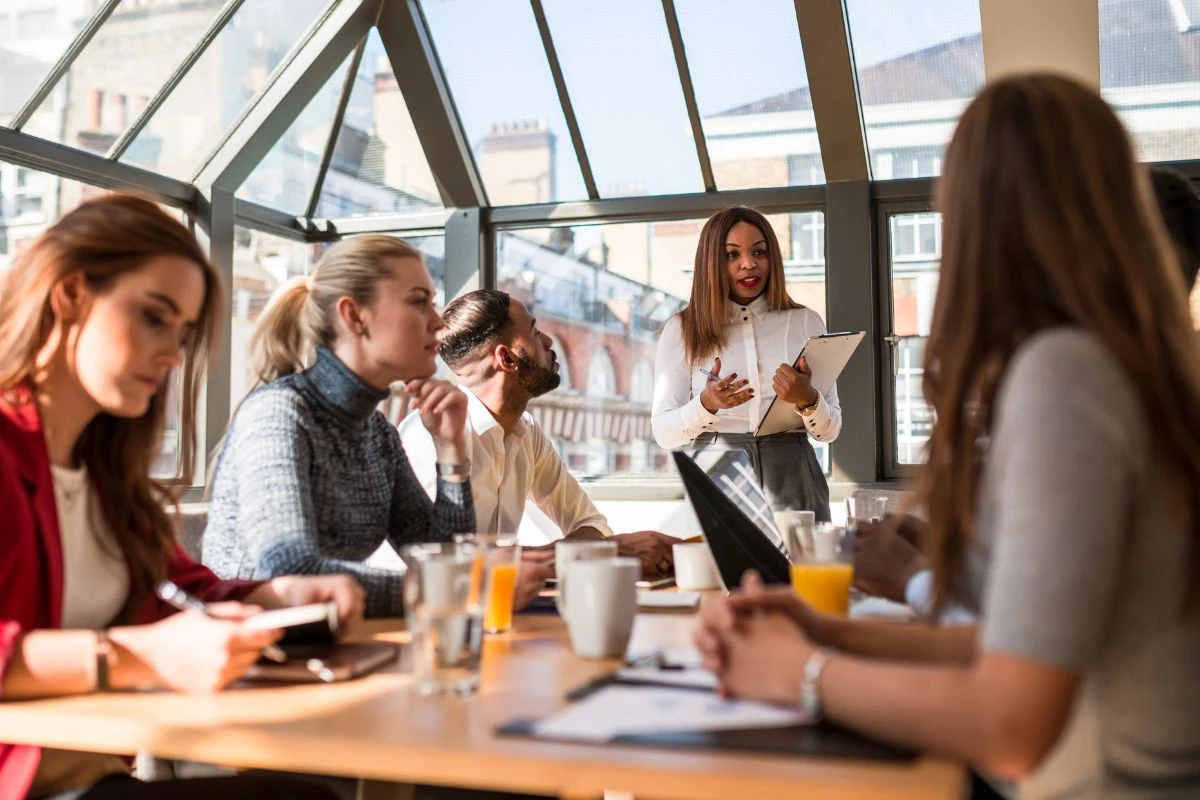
<point x="694" y="567"/>
<point x="600" y="604"/>
<point x="568" y="552"/>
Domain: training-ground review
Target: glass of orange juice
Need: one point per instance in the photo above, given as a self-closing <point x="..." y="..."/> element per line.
<point x="494" y="576"/>
<point x="822" y="564"/>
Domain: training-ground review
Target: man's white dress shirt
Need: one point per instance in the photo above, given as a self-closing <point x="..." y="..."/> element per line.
<point x="506" y="472"/>
<point x="759" y="341"/>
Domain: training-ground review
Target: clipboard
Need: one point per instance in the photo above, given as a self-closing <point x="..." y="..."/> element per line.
<point x="827" y="355"/>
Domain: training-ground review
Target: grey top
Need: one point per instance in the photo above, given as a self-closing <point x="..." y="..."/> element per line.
<point x="1087" y="565"/>
<point x="312" y="479"/>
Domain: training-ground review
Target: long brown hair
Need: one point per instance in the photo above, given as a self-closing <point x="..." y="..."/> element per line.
<point x="705" y="319"/>
<point x="104" y="239"/>
<point x="1048" y="221"/>
<point x="301" y="314"/>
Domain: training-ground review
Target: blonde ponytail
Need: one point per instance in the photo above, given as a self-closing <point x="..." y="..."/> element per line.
<point x="300" y="316"/>
<point x="282" y="341"/>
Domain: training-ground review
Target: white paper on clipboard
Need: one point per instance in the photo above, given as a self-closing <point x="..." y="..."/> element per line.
<point x="827" y="356"/>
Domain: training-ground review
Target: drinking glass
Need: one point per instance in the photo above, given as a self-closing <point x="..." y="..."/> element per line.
<point x="442" y="594"/>
<point x="864" y="508"/>
<point x="822" y="566"/>
<point x="497" y="565"/>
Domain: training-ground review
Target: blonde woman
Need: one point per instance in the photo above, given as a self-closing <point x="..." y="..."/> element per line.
<point x="311" y="477"/>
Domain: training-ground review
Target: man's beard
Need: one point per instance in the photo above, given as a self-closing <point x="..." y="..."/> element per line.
<point x="534" y="378"/>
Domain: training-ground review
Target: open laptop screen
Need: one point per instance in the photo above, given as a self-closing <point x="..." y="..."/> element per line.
<point x="731" y="517"/>
<point x="732" y="473"/>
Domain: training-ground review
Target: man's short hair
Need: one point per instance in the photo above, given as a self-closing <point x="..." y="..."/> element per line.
<point x="1179" y="205"/>
<point x="476" y="319"/>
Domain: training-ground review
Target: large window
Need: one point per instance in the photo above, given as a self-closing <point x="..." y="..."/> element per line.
<point x="602" y="292"/>
<point x="918" y="64"/>
<point x="914" y="251"/>
<point x="1150" y="72"/>
<point x="756" y="111"/>
<point x="234" y="69"/>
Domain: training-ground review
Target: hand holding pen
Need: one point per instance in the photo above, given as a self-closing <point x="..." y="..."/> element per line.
<point x="171" y="594"/>
<point x="724" y="392"/>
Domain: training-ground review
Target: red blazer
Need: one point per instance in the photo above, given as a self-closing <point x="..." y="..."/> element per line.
<point x="31" y="568"/>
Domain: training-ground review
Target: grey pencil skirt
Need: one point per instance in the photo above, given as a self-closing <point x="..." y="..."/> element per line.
<point x="786" y="465"/>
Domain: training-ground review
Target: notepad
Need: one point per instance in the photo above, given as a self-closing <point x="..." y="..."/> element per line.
<point x="827" y="355"/>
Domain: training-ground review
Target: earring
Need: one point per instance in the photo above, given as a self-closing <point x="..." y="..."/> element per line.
<point x="362" y="330"/>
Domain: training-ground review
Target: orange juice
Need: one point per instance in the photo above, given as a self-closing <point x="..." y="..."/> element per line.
<point x="502" y="586"/>
<point x="825" y="587"/>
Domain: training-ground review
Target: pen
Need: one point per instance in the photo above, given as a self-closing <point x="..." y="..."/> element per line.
<point x="171" y="594"/>
<point x="711" y="377"/>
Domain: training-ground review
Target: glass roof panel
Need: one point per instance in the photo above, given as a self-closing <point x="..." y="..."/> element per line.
<point x="918" y="64"/>
<point x="33" y="36"/>
<point x="755" y="108"/>
<point x="1150" y="72"/>
<point x="621" y="76"/>
<point x="378" y="165"/>
<point x="502" y="87"/>
<point x="284" y="179"/>
<point x="218" y="87"/>
<point x="121" y="69"/>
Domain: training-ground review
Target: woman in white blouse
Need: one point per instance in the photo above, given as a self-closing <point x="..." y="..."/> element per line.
<point x="724" y="358"/>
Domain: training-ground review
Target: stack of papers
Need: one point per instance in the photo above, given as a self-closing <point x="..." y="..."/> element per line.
<point x="618" y="710"/>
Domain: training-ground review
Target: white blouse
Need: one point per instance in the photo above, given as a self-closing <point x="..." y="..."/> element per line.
<point x="759" y="341"/>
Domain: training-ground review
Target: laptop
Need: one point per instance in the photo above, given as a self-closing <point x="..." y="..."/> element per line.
<point x="736" y="518"/>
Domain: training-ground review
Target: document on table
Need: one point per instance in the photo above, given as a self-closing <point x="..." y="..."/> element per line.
<point x="669" y="600"/>
<point x="618" y="710"/>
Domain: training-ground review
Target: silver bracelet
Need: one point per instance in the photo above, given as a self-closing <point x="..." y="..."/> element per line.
<point x="810" y="684"/>
<point x="454" y="470"/>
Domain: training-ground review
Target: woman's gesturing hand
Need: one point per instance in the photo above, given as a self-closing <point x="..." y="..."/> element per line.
<point x="724" y="392"/>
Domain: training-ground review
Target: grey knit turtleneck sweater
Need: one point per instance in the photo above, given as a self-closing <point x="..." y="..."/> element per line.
<point x="312" y="479"/>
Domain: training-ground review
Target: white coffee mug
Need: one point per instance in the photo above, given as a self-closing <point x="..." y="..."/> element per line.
<point x="567" y="552"/>
<point x="694" y="567"/>
<point x="600" y="604"/>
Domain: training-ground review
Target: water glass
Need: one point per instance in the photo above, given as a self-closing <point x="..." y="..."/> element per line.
<point x="864" y="508"/>
<point x="822" y="567"/>
<point x="496" y="569"/>
<point x="442" y="591"/>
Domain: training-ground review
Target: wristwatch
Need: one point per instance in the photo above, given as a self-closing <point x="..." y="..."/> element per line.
<point x="454" y="470"/>
<point x="810" y="684"/>
<point x="811" y="408"/>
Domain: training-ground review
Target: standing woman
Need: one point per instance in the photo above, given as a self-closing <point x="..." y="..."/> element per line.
<point x="96" y="320"/>
<point x="311" y="478"/>
<point x="724" y="358"/>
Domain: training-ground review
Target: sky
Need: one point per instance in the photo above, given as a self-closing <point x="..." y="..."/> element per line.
<point x="620" y="70"/>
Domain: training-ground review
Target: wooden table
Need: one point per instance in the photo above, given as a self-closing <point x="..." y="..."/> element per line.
<point x="378" y="728"/>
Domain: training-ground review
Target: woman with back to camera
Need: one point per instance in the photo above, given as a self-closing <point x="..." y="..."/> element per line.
<point x="96" y="318"/>
<point x="311" y="477"/>
<point x="730" y="351"/>
<point x="1062" y="482"/>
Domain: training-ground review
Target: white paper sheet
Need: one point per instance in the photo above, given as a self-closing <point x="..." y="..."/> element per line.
<point x="616" y="710"/>
<point x="672" y="600"/>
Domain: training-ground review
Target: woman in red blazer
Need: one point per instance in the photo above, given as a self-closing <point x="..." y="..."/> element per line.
<point x="96" y="320"/>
